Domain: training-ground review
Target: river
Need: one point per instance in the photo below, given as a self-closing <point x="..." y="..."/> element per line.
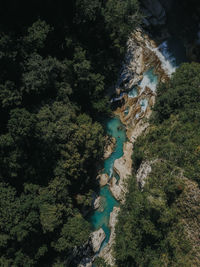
<point x="171" y="54"/>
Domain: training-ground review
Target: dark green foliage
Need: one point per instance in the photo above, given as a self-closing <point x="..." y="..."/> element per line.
<point x="137" y="158"/>
<point x="56" y="59"/>
<point x="37" y="35"/>
<point x="100" y="262"/>
<point x="9" y="96"/>
<point x="21" y="124"/>
<point x="121" y="17"/>
<point x="175" y="133"/>
<point x="182" y="92"/>
<point x="151" y="220"/>
<point x="74" y="233"/>
<point x="152" y="231"/>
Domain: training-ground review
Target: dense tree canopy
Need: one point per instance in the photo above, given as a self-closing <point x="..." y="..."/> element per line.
<point x="57" y="58"/>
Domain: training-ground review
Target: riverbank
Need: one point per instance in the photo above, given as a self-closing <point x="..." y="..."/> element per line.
<point x="146" y="64"/>
<point x="144" y="68"/>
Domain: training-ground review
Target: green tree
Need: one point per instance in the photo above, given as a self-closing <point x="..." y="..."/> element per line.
<point x="74" y="233"/>
<point x="37" y="35"/>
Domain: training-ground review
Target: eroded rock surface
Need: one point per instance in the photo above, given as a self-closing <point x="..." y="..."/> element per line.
<point x="97" y="202"/>
<point x="154" y="12"/>
<point x="123" y="167"/>
<point x="97" y="238"/>
<point x="84" y="256"/>
<point x="107" y="252"/>
<point x="109" y="147"/>
<point x="142" y="55"/>
<point x="103" y="179"/>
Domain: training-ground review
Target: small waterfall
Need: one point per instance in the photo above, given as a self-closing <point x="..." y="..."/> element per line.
<point x="168" y="62"/>
<point x="111" y="171"/>
<point x="150" y="80"/>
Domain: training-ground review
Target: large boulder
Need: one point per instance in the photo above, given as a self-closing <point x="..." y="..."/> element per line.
<point x="97" y="202"/>
<point x="103" y="179"/>
<point x="154" y="12"/>
<point x="84" y="256"/>
<point x="109" y="147"/>
<point x="107" y="252"/>
<point x="115" y="189"/>
<point x="97" y="238"/>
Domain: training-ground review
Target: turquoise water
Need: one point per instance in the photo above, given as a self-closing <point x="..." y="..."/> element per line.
<point x="98" y="218"/>
<point x="115" y="129"/>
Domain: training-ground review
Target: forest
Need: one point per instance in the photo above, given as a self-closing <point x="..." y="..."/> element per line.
<point x="57" y="61"/>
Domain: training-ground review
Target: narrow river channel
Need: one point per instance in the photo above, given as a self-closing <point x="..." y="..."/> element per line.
<point x="170" y="55"/>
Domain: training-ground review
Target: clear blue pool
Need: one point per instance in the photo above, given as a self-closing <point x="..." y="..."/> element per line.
<point x="98" y="218"/>
<point x="115" y="129"/>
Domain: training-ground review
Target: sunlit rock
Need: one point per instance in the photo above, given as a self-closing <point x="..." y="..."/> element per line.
<point x="97" y="238"/>
<point x="107" y="252"/>
<point x="103" y="179"/>
<point x="97" y="203"/>
<point x="109" y="147"/>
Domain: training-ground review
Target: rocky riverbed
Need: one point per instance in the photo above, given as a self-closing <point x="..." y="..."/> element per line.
<point x="144" y="67"/>
<point x="143" y="55"/>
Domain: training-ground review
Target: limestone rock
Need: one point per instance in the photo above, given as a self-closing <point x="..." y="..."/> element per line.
<point x="123" y="167"/>
<point x="97" y="202"/>
<point x="97" y="238"/>
<point x="109" y="147"/>
<point x="84" y="256"/>
<point x="103" y="179"/>
<point x="115" y="189"/>
<point x="86" y="262"/>
<point x="154" y="12"/>
<point x="107" y="252"/>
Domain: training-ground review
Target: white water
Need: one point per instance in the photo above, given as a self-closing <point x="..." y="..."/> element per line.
<point x="150" y="80"/>
<point x="111" y="171"/>
<point x="167" y="60"/>
<point x="137" y="115"/>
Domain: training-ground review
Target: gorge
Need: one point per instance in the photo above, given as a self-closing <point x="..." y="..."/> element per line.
<point x="146" y="64"/>
<point x="100" y="133"/>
